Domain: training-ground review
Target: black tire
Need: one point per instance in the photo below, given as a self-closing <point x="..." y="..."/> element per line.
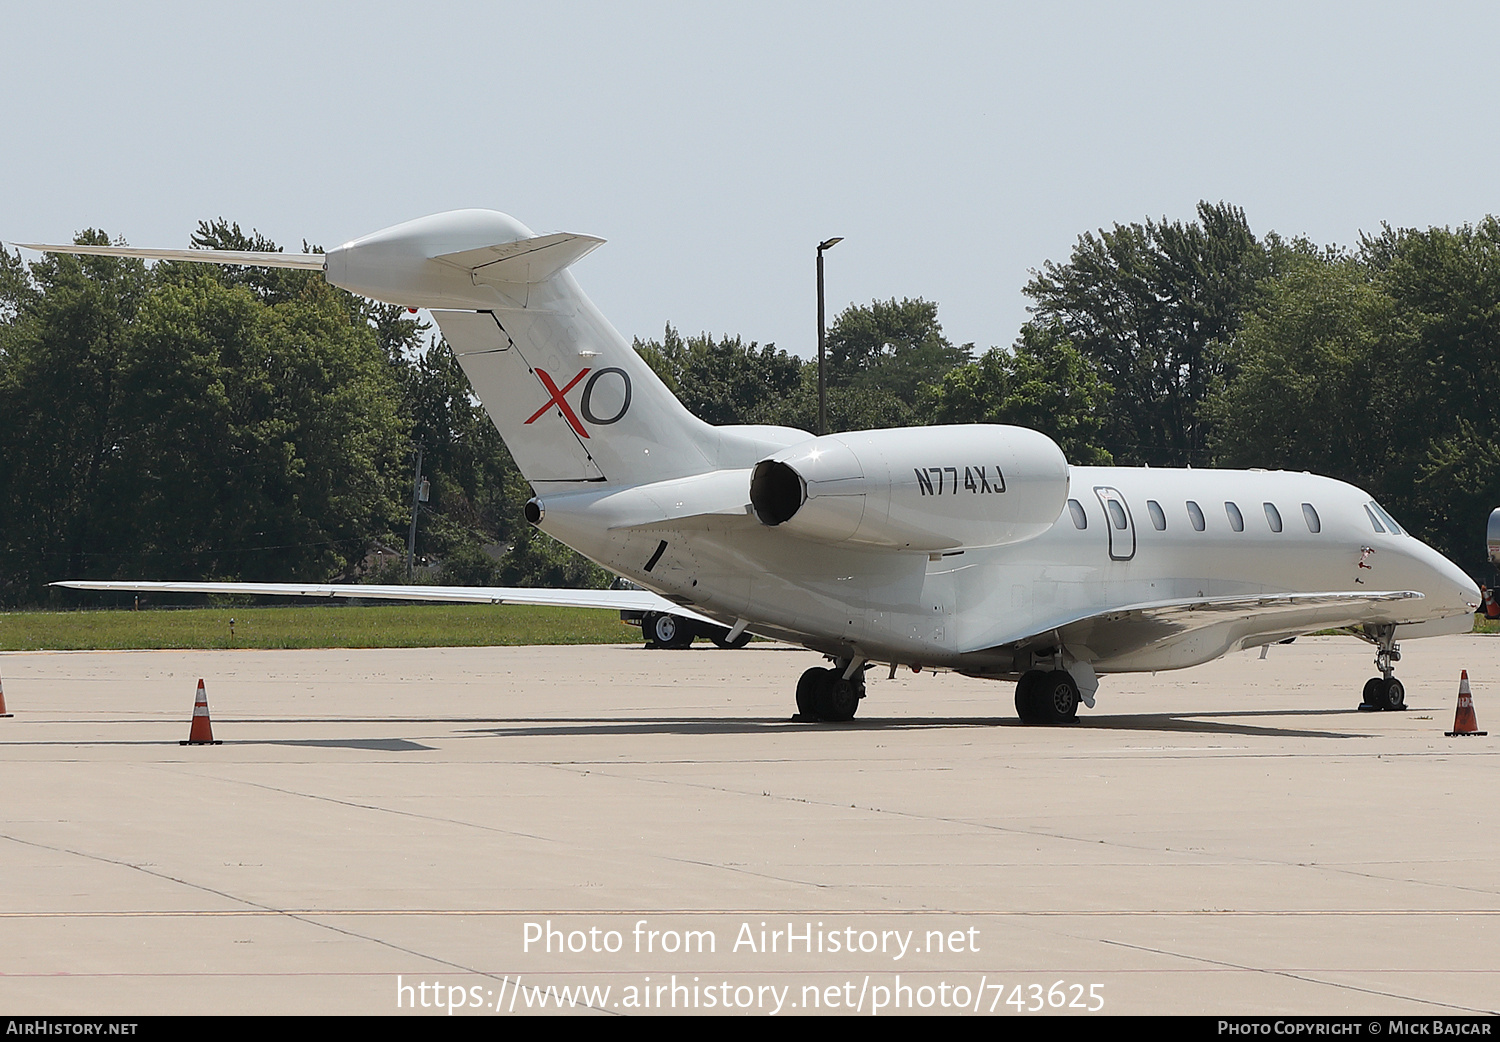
<point x="1372" y="692"/>
<point x="837" y="698"/>
<point x="721" y="639"/>
<point x="1395" y="694"/>
<point x="1026" y="707"/>
<point x="1389" y="694"/>
<point x="808" y="686"/>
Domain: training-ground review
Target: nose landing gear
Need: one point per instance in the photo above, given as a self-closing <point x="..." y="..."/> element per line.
<point x="1385" y="691"/>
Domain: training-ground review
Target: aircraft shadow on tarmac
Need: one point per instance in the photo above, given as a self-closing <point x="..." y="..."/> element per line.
<point x="1227" y="723"/>
<point x="381" y="745"/>
<point x="1196" y="723"/>
<point x="385" y="745"/>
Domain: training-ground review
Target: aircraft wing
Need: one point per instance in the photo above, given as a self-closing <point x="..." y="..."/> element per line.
<point x="622" y="600"/>
<point x="1245" y="621"/>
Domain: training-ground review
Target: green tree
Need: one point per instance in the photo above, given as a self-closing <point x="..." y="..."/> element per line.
<point x="67" y="331"/>
<point x="476" y="491"/>
<point x="1310" y="373"/>
<point x="175" y="422"/>
<point x="723" y="381"/>
<point x="1377" y="367"/>
<point x="1150" y="304"/>
<point x="1043" y="383"/>
<point x="890" y="346"/>
<point x="1444" y="285"/>
<point x="263" y="440"/>
<point x="270" y="285"/>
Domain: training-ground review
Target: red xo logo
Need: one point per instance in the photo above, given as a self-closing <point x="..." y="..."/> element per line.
<point x="586" y="401"/>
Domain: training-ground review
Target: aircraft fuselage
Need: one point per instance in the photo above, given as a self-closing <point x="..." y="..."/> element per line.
<point x="956" y="608"/>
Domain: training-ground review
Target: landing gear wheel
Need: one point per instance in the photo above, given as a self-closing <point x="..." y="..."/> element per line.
<point x="837" y="698"/>
<point x="1056" y="698"/>
<point x="1026" y="703"/>
<point x="808" y="686"/>
<point x="668" y="631"/>
<point x="1395" y="694"/>
<point x="721" y="639"/>
<point x="824" y="694"/>
<point x="1385" y="693"/>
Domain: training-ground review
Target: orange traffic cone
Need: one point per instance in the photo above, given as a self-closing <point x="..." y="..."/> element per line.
<point x="2" y="700"/>
<point x="202" y="732"/>
<point x="1463" y="720"/>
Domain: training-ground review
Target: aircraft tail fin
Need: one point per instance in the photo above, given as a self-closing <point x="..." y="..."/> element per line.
<point x="571" y="397"/>
<point x="572" y="400"/>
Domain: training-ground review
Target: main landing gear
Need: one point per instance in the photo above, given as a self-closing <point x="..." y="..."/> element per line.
<point x="1047" y="696"/>
<point x="1384" y="691"/>
<point x="824" y="694"/>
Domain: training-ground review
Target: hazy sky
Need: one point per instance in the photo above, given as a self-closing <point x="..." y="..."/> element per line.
<point x="955" y="146"/>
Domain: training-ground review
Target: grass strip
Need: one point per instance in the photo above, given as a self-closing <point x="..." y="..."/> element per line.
<point x="312" y="626"/>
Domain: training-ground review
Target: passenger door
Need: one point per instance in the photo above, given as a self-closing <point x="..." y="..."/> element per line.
<point x="1118" y="521"/>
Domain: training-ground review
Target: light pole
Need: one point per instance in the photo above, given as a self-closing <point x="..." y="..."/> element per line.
<point x="418" y="496"/>
<point x="822" y="385"/>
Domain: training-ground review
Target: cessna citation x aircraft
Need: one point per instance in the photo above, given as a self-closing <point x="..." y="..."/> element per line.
<point x="969" y="548"/>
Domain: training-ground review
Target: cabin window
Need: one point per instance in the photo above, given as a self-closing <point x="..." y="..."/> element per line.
<point x="1273" y="517"/>
<point x="1117" y="514"/>
<point x="1236" y="519"/>
<point x="1390" y="522"/>
<point x="1080" y="519"/>
<point x="1195" y="515"/>
<point x="1374" y="520"/>
<point x="1158" y="518"/>
<point x="1310" y="515"/>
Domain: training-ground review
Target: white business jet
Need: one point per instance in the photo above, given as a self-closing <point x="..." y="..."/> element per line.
<point x="968" y="548"/>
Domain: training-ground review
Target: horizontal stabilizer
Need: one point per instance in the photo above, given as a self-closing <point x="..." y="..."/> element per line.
<point x="621" y="600"/>
<point x="525" y="262"/>
<point x="259" y="259"/>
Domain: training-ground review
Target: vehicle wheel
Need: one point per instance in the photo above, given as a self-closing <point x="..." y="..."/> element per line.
<point x="668" y="631"/>
<point x="808" y="687"/>
<point x="1395" y="694"/>
<point x="837" y="698"/>
<point x="1056" y="698"/>
<point x="1385" y="694"/>
<point x="720" y="639"/>
<point x="1026" y="707"/>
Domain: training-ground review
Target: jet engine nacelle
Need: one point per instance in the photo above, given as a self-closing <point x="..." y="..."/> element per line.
<point x="921" y="488"/>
